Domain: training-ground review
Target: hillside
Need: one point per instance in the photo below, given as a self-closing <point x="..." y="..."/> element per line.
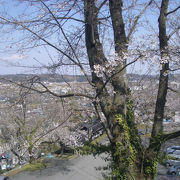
<point x="78" y="78"/>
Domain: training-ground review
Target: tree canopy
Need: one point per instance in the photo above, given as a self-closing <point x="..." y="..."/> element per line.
<point x="102" y="39"/>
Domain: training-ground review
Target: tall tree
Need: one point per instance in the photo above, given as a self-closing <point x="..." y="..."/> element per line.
<point x="111" y="95"/>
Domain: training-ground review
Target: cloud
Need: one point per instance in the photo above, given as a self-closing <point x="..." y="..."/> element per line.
<point x="14" y="57"/>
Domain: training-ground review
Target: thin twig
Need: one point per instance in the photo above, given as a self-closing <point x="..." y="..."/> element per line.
<point x="170" y="12"/>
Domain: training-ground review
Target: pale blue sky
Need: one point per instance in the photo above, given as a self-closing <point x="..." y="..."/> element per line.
<point x="12" y="62"/>
<point x="39" y="56"/>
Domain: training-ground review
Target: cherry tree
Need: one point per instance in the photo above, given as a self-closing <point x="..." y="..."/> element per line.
<point x="24" y="128"/>
<point x="81" y="32"/>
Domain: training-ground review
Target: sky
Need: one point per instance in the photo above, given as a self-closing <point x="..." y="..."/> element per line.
<point x="30" y="60"/>
<point x="9" y="60"/>
<point x="27" y="62"/>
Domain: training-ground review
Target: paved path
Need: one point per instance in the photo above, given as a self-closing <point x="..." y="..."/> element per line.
<point x="81" y="168"/>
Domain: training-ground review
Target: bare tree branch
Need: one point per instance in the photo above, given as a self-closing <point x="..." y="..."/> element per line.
<point x="105" y="126"/>
<point x="170" y="12"/>
<point x="40" y="37"/>
<point x="101" y="5"/>
<point x="53" y="128"/>
<point x="47" y="90"/>
<point x="59" y="25"/>
<point x="48" y="20"/>
<point x="174" y="69"/>
<point x="171" y="135"/>
<point x="116" y="74"/>
<point x="104" y="18"/>
<point x="173" y="32"/>
<point x="71" y="18"/>
<point x="173" y="90"/>
<point x="136" y="20"/>
<point x="50" y="44"/>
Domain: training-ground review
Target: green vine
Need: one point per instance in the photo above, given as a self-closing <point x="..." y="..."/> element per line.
<point x="150" y="165"/>
<point x="123" y="152"/>
<point x="153" y="157"/>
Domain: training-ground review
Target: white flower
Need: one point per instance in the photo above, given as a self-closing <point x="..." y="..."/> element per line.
<point x="98" y="70"/>
<point x="164" y="60"/>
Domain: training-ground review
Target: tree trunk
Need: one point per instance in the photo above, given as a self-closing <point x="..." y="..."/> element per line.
<point x="129" y="159"/>
<point x="122" y="138"/>
<point x="95" y="53"/>
<point x="31" y="157"/>
<point x="119" y="81"/>
<point x="163" y="79"/>
<point x="156" y="141"/>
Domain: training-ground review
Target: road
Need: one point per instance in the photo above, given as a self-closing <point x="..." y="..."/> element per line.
<point x="81" y="168"/>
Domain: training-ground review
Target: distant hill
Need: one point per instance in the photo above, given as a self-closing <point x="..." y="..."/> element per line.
<point x="45" y="77"/>
<point x="78" y="78"/>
